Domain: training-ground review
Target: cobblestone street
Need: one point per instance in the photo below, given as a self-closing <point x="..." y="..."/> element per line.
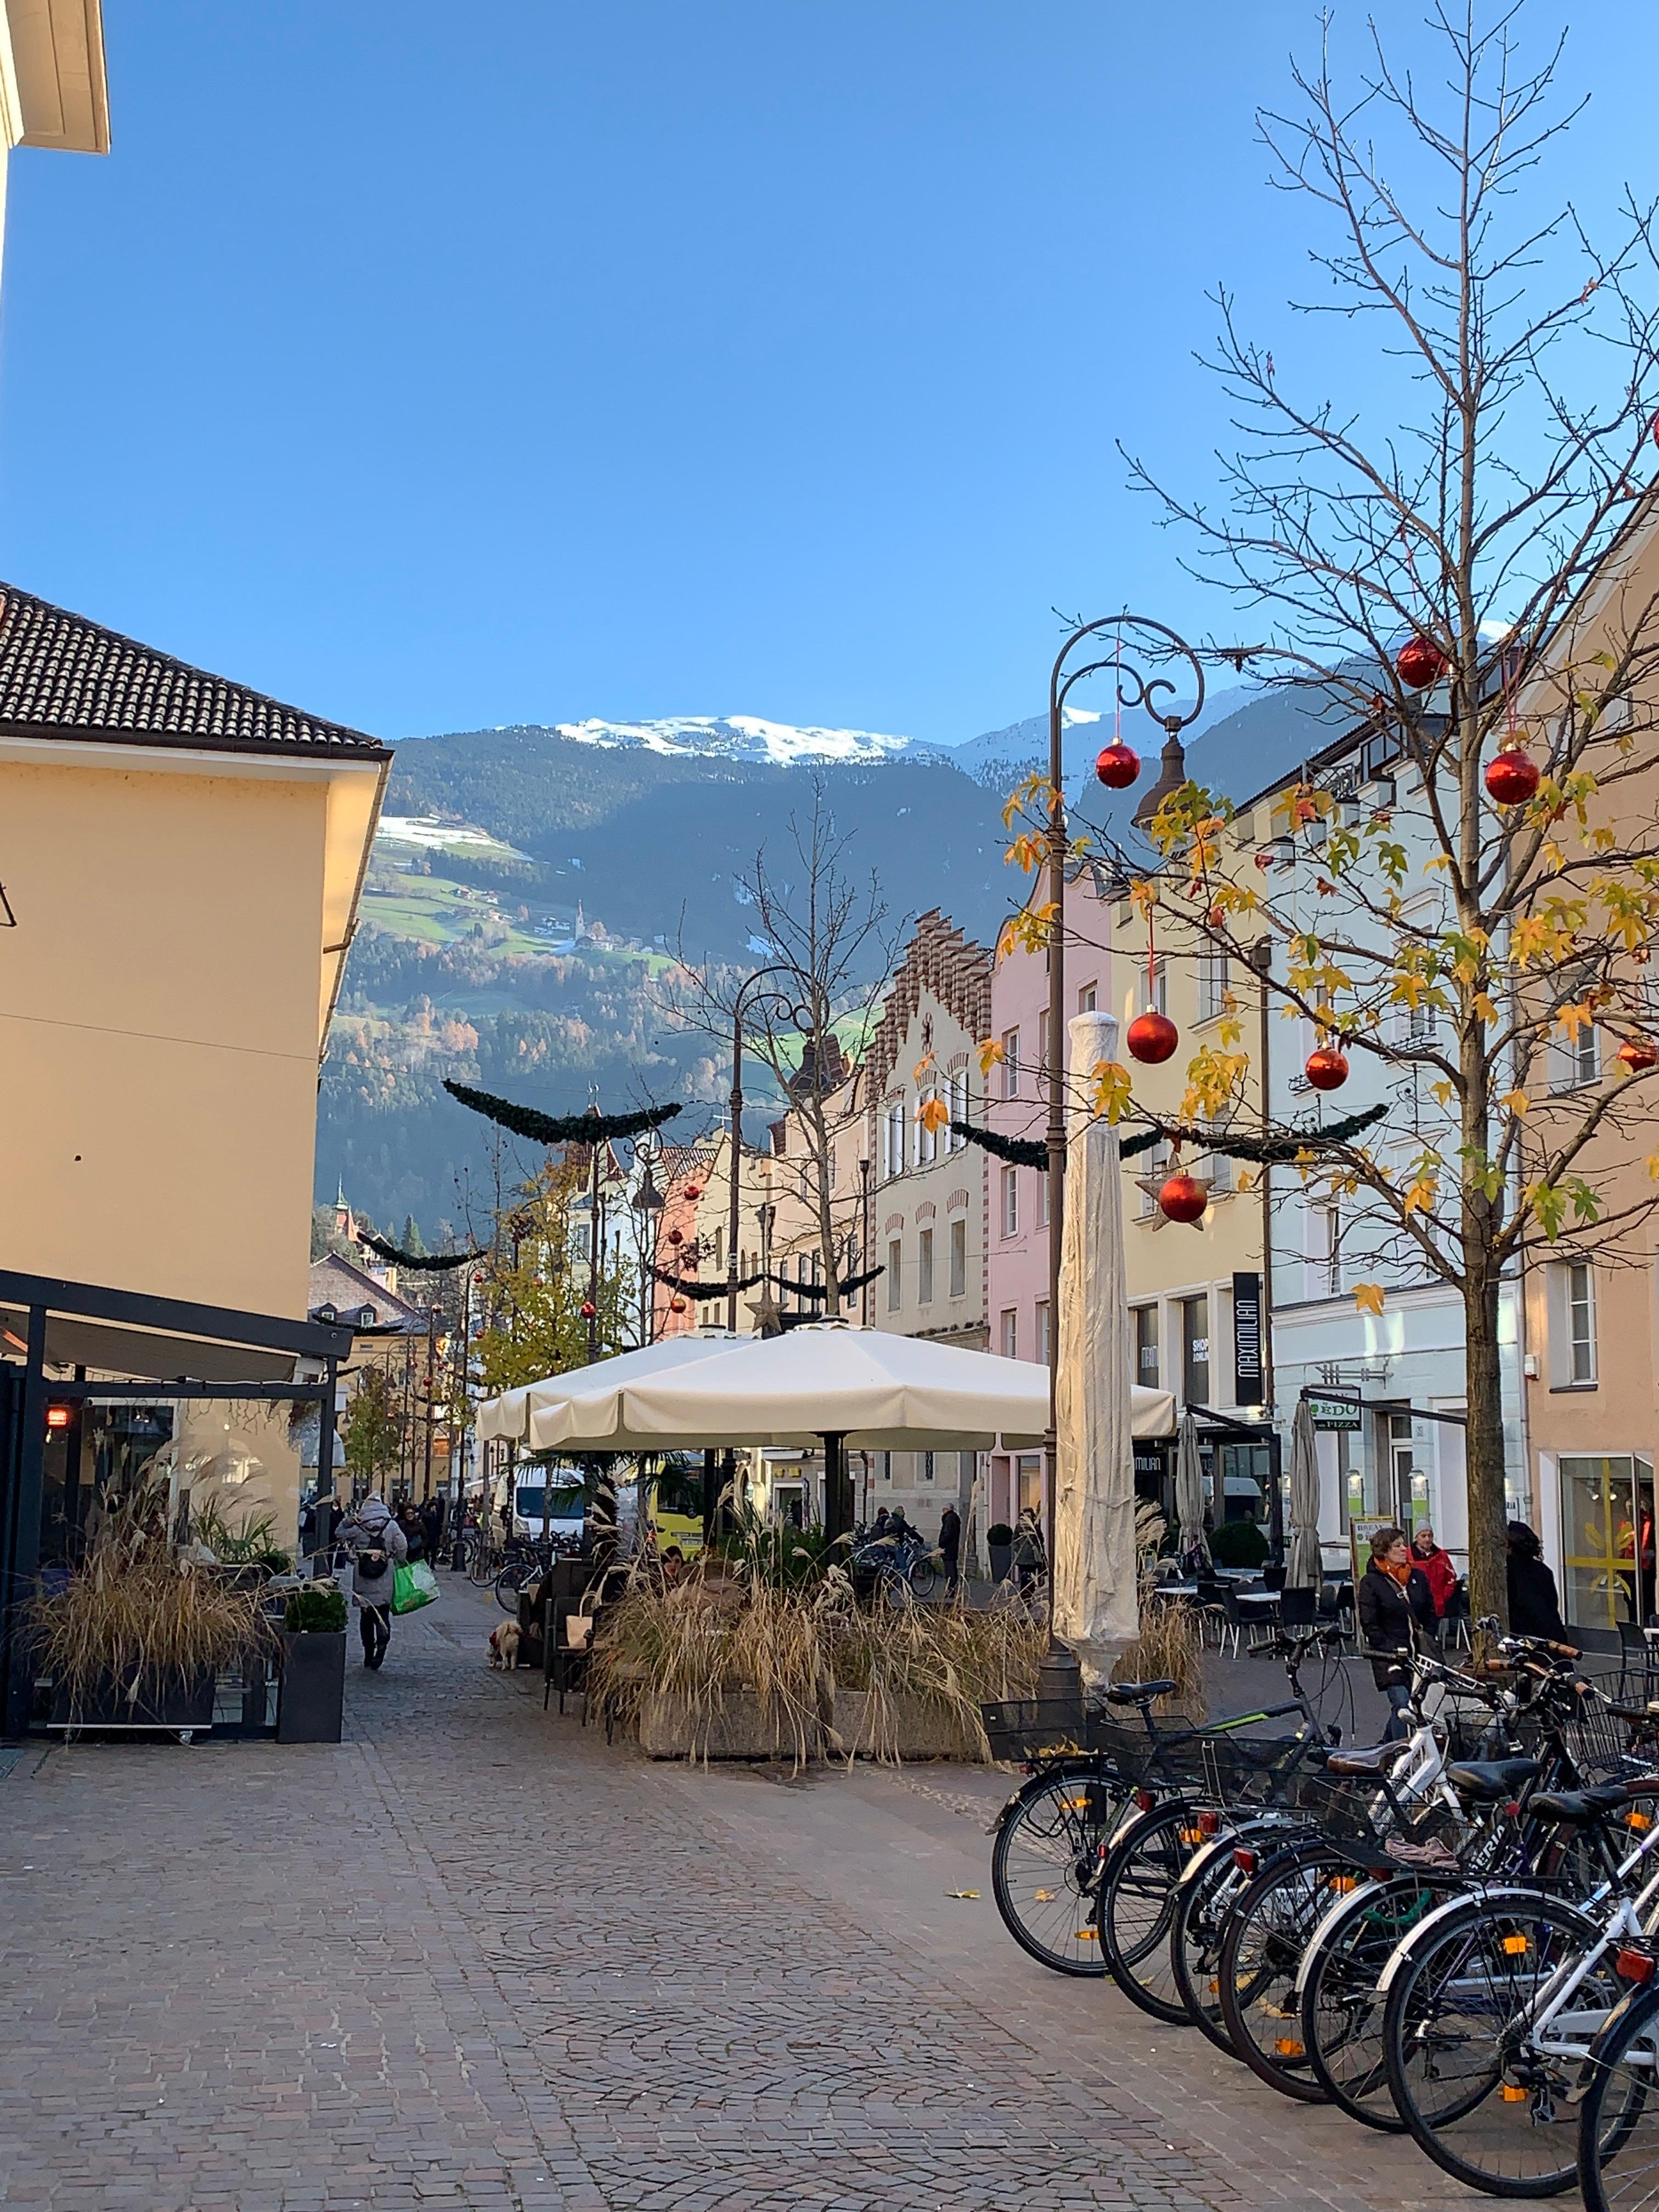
<point x="475" y="1957"/>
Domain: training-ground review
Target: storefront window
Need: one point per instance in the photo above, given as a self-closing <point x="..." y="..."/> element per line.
<point x="1195" y="1351"/>
<point x="1607" y="1540"/>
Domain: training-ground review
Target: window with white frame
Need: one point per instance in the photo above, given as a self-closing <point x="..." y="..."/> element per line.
<point x="926" y="1138"/>
<point x="1087" y="998"/>
<point x="959" y="1257"/>
<point x="925" y="1269"/>
<point x="895" y="1275"/>
<point x="1155" y="987"/>
<point x="1010" y="1201"/>
<point x="1420" y="1024"/>
<point x="1576" y="1061"/>
<point x="1043" y="1198"/>
<point x="1042" y="1329"/>
<point x="1043" y="1050"/>
<point x="1145" y="1324"/>
<point x="955" y="1095"/>
<point x="1330" y="1251"/>
<point x="1010" y="1063"/>
<point x="1572" y="1334"/>
<point x="1212" y="985"/>
<point x="1155" y="1166"/>
<point x="1010" y="1332"/>
<point x="893" y="1140"/>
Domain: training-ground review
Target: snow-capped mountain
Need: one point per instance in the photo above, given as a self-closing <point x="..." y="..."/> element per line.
<point x="742" y="737"/>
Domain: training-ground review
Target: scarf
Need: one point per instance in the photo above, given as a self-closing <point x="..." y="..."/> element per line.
<point x="1402" y="1575"/>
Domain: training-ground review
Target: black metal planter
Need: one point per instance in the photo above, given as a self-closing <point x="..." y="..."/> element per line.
<point x="180" y="1705"/>
<point x="311" y="1701"/>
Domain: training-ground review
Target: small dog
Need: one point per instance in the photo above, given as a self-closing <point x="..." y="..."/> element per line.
<point x="504" y="1647"/>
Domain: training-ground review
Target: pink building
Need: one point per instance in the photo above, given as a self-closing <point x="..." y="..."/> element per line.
<point x="1016" y="1105"/>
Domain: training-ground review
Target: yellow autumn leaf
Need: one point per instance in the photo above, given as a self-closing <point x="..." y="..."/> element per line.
<point x="991" y="1055"/>
<point x="1653" y="1167"/>
<point x="1441" y="1091"/>
<point x="933" y="1115"/>
<point x="1482" y="1007"/>
<point x="1514" y="1102"/>
<point x="922" y="1066"/>
<point x="1435" y="860"/>
<point x="1368" y="1297"/>
<point x="1109" y="1089"/>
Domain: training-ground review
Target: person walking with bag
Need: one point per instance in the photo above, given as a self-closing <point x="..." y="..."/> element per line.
<point x="378" y="1547"/>
<point x="1396" y="1614"/>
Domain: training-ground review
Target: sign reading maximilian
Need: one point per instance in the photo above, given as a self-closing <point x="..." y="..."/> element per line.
<point x="1247" y="1341"/>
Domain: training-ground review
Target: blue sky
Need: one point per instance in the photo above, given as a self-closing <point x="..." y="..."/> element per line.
<point x="438" y="367"/>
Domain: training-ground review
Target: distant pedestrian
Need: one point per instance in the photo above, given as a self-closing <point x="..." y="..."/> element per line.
<point x="950" y="1543"/>
<point x="432" y="1526"/>
<point x="1437" y="1570"/>
<point x="1030" y="1559"/>
<point x="1396" y="1615"/>
<point x="377" y="1546"/>
<point x="880" y="1529"/>
<point x="1535" y="1606"/>
<point x="409" y="1520"/>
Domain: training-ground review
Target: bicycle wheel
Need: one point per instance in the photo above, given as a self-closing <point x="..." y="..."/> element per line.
<point x="1618" y="2119"/>
<point x="1341" y="2007"/>
<point x="1047" y="1848"/>
<point x="482" y="1566"/>
<point x="1266" y="1933"/>
<point x="1135" y="1907"/>
<point x="507" y="1583"/>
<point x="1487" y="2105"/>
<point x="923" y="1575"/>
<point x="1204" y="1902"/>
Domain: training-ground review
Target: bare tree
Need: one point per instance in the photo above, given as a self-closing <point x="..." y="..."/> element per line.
<point x="829" y="951"/>
<point x="1471" y="586"/>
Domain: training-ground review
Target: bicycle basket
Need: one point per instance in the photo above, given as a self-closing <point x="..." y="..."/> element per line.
<point x="1226" y="1769"/>
<point x="1034" y="1728"/>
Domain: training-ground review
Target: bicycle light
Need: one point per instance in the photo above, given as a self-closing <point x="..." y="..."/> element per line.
<point x="1145" y="1800"/>
<point x="1631" y="1965"/>
<point x="1209" y="1823"/>
<point x="1244" y="1861"/>
<point x="1512" y="1808"/>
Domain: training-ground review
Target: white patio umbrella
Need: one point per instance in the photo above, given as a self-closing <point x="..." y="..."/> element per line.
<point x="506" y="1415"/>
<point x="579" y="1409"/>
<point x="1303" y="1567"/>
<point x="1189" y="1494"/>
<point x="1096" y="1608"/>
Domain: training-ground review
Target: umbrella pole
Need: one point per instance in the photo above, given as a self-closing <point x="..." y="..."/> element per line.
<point x="835" y="1521"/>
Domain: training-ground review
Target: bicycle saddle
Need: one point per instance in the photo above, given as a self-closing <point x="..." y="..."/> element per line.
<point x="1579" y="1804"/>
<point x="1490" y="1779"/>
<point x="1137" y="1693"/>
<point x="1377" y="1758"/>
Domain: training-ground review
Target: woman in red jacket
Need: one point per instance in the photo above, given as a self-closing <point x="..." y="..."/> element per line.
<point x="1436" y="1568"/>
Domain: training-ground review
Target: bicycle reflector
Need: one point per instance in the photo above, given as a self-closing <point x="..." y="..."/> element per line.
<point x="1640" y="1821"/>
<point x="1209" y="1823"/>
<point x="1631" y="1965"/>
<point x="1513" y="2093"/>
<point x="1513" y="1808"/>
<point x="1244" y="1861"/>
<point x="1515" y="1946"/>
<point x="1145" y="1800"/>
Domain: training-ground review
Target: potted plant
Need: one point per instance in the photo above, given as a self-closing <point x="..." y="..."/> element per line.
<point x="311" y="1697"/>
<point x="999" y="1543"/>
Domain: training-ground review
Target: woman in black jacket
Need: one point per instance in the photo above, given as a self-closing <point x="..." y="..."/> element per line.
<point x="1396" y="1612"/>
<point x="1535" y="1606"/>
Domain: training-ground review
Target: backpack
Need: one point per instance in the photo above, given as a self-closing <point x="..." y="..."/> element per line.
<point x="372" y="1562"/>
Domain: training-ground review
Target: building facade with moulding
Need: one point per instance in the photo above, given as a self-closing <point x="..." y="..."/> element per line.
<point x="1016" y="1105"/>
<point x="929" y="1199"/>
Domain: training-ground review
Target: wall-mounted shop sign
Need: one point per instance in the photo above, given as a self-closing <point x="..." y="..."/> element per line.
<point x="1333" y="1407"/>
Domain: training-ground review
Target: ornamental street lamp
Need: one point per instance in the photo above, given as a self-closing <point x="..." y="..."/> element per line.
<point x="782" y="999"/>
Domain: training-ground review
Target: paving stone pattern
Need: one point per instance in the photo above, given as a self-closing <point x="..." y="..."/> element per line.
<point x="476" y="1957"/>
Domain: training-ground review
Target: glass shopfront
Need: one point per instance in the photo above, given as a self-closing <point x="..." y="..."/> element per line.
<point x="1606" y="1538"/>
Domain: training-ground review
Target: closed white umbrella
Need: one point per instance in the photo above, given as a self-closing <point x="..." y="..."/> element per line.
<point x="579" y="1408"/>
<point x="1303" y="1567"/>
<point x="1095" y="1607"/>
<point x="1189" y="1497"/>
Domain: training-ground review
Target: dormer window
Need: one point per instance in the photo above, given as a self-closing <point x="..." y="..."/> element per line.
<point x="325" y="1313"/>
<point x="366" y="1317"/>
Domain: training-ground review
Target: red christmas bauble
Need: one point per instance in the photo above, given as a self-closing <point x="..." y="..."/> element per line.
<point x="1117" y="766"/>
<point x="590" y="1311"/>
<point x="1420" y="662"/>
<point x="1639" y="1054"/>
<point x="1512" y="777"/>
<point x="677" y="1236"/>
<point x="1151" y="1037"/>
<point x="1183" y="1199"/>
<point x="694" y="1190"/>
<point x="1326" y="1068"/>
<point x="676" y="1305"/>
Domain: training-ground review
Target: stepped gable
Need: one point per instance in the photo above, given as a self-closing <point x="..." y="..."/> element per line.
<point x="64" y="677"/>
<point x="939" y="959"/>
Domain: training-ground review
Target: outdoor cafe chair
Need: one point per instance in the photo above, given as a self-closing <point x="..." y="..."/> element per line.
<point x="1218" y="1609"/>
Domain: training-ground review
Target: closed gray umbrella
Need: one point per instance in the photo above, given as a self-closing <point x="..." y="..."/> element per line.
<point x="1189" y="1495"/>
<point x="1303" y="1565"/>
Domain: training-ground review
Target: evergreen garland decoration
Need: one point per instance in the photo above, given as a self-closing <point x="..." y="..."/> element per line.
<point x="423" y="1263"/>
<point x="559" y="1129"/>
<point x="822" y="1290"/>
<point x="1018" y="1152"/>
<point x="689" y="1287"/>
<point x="1263" y="1151"/>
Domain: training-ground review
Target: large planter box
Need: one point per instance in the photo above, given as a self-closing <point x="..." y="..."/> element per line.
<point x="742" y="1728"/>
<point x="311" y="1698"/>
<point x="161" y="1702"/>
<point x="1002" y="1558"/>
<point x="922" y="1731"/>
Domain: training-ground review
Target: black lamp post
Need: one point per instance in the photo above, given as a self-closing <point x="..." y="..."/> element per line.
<point x="803" y="1018"/>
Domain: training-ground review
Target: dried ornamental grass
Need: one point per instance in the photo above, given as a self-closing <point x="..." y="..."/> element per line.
<point x="1170" y="1646"/>
<point x="155" y="1622"/>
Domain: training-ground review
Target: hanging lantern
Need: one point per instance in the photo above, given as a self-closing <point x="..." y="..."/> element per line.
<point x="1512" y="777"/>
<point x="677" y="1236"/>
<point x="1183" y="1198"/>
<point x="1326" y="1068"/>
<point x="694" y="1190"/>
<point x="676" y="1305"/>
<point x="1638" y="1054"/>
<point x="590" y="1311"/>
<point x="1151" y="1037"/>
<point x="1419" y="662"/>
<point x="1117" y="766"/>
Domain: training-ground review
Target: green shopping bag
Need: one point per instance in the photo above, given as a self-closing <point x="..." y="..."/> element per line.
<point x="412" y="1587"/>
